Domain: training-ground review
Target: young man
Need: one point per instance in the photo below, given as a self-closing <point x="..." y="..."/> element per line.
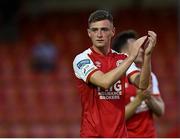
<point x="100" y="76"/>
<point x="140" y="106"/>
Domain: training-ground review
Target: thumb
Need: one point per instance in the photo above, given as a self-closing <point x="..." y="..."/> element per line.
<point x="141" y="41"/>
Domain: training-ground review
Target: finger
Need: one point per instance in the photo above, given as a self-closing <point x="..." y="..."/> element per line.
<point x="144" y="40"/>
<point x="152" y="41"/>
<point x="152" y="34"/>
<point x="146" y="44"/>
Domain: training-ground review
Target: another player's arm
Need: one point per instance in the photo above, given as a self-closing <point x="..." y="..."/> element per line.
<point x="141" y="80"/>
<point x="132" y="106"/>
<point x="105" y="80"/>
<point x="156" y="104"/>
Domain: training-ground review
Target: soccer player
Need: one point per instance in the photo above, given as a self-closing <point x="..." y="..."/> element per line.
<point x="140" y="105"/>
<point x="100" y="74"/>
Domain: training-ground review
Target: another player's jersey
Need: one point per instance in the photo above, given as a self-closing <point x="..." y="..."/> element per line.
<point x="102" y="110"/>
<point x="141" y="123"/>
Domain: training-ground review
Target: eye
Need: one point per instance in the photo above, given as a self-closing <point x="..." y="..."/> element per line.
<point x="105" y="29"/>
<point x="93" y="29"/>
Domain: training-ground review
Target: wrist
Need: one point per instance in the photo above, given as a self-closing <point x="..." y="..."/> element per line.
<point x="140" y="97"/>
<point x="148" y="54"/>
<point x="147" y="57"/>
<point x="131" y="58"/>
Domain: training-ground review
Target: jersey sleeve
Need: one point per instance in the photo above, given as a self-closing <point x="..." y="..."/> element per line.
<point x="83" y="67"/>
<point x="131" y="70"/>
<point x="155" y="86"/>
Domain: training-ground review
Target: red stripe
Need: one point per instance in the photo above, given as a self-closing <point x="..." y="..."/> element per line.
<point x="156" y="95"/>
<point x="130" y="74"/>
<point x="88" y="77"/>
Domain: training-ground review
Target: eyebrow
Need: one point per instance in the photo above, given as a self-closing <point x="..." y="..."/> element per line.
<point x="102" y="28"/>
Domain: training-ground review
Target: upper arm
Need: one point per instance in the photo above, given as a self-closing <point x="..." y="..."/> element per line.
<point x="83" y="67"/>
<point x="133" y="74"/>
<point x="157" y="105"/>
<point x="134" y="79"/>
<point x="155" y="85"/>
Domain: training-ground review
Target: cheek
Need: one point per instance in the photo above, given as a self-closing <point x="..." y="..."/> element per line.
<point x="91" y="35"/>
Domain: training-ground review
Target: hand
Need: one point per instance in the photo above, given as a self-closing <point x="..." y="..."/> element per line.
<point x="134" y="50"/>
<point x="142" y="95"/>
<point x="149" y="92"/>
<point x="152" y="42"/>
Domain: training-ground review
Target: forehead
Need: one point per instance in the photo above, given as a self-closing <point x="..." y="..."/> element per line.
<point x="100" y="24"/>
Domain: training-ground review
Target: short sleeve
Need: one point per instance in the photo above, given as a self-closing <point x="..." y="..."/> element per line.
<point x="83" y="66"/>
<point x="131" y="70"/>
<point x="155" y="86"/>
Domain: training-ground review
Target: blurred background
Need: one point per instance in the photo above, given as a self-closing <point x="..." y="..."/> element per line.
<point x="38" y="42"/>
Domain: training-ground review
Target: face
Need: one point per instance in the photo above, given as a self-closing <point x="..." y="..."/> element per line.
<point x="101" y="33"/>
<point x="139" y="58"/>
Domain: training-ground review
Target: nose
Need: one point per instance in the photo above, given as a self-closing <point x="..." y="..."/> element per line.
<point x="99" y="33"/>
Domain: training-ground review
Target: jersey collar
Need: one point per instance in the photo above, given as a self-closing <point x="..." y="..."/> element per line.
<point x="110" y="52"/>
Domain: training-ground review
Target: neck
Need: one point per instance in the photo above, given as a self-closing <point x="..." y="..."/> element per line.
<point x="101" y="50"/>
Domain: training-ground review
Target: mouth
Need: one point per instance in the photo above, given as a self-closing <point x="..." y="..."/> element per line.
<point x="100" y="41"/>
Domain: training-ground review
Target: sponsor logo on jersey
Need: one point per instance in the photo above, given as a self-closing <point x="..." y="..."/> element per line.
<point x="82" y="63"/>
<point x="114" y="92"/>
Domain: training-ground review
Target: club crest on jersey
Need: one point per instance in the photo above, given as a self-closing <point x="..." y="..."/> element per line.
<point x="82" y="63"/>
<point x="119" y="62"/>
<point x="98" y="64"/>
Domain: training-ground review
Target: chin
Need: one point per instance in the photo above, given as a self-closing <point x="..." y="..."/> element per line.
<point x="100" y="46"/>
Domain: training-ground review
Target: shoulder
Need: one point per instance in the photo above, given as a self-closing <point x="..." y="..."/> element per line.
<point x="84" y="56"/>
<point x="83" y="65"/>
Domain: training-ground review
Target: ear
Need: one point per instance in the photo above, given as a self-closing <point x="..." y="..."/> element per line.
<point x="113" y="31"/>
<point x="129" y="41"/>
<point x="88" y="31"/>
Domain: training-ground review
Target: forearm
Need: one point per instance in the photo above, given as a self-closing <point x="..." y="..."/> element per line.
<point x="156" y="105"/>
<point x="145" y="73"/>
<point x="106" y="80"/>
<point x="131" y="107"/>
<point x="146" y="68"/>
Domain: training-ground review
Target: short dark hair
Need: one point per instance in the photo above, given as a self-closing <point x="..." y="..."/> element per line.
<point x="121" y="39"/>
<point x="99" y="15"/>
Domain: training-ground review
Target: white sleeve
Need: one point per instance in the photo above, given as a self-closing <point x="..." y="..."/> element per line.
<point x="132" y="69"/>
<point x="83" y="66"/>
<point x="155" y="86"/>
